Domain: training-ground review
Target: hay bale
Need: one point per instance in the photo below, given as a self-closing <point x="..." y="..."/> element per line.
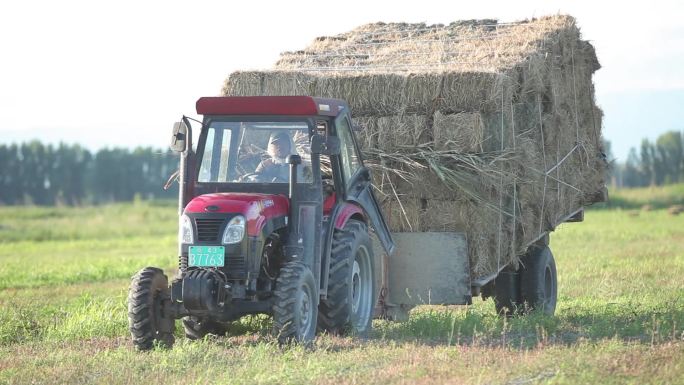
<point x="378" y="94"/>
<point x="391" y="133"/>
<point x="244" y="83"/>
<point x="368" y="136"/>
<point x="485" y="128"/>
<point x="395" y="132"/>
<point x="418" y="214"/>
<point x="462" y="132"/>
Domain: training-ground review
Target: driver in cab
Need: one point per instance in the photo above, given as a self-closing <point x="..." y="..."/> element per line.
<point x="276" y="167"/>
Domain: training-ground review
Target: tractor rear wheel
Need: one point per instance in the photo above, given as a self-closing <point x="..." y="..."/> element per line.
<point x="147" y="297"/>
<point x="538" y="281"/>
<point x="196" y="328"/>
<point x="294" y="306"/>
<point x="351" y="293"/>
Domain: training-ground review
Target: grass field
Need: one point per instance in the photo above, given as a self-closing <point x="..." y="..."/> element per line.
<point x="620" y="319"/>
<point x="654" y="197"/>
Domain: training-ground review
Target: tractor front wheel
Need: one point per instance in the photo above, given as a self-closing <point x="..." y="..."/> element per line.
<point x="294" y="306"/>
<point x="351" y="293"/>
<point x="147" y="298"/>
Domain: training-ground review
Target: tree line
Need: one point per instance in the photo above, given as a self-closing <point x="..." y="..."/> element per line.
<point x="652" y="163"/>
<point x="35" y="173"/>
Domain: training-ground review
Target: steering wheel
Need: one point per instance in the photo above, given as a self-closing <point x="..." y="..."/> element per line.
<point x="250" y="176"/>
<point x="261" y="178"/>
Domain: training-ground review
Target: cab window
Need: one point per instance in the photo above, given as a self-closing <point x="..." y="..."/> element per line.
<point x="350" y="161"/>
<point x="254" y="152"/>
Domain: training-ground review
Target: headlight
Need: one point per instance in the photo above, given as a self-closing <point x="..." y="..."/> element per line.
<point x="234" y="231"/>
<point x="185" y="230"/>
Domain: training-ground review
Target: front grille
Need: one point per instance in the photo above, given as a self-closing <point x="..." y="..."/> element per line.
<point x="208" y="229"/>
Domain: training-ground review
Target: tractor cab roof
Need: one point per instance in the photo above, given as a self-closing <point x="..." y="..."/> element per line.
<point x="269" y="105"/>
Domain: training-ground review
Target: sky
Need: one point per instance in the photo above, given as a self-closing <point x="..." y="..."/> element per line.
<point x="119" y="73"/>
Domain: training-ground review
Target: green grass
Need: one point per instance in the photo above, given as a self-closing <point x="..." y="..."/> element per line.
<point x="656" y="197"/>
<point x="67" y="246"/>
<point x="620" y="317"/>
<point x="115" y="221"/>
<point x="30" y="264"/>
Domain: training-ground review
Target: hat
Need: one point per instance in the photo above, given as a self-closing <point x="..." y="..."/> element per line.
<point x="279" y="137"/>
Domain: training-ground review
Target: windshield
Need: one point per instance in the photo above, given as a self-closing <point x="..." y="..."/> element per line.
<point x="254" y="152"/>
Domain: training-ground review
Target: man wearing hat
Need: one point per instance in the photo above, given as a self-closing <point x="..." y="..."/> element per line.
<point x="276" y="168"/>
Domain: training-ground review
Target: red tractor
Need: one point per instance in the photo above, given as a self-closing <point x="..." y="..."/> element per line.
<point x="275" y="211"/>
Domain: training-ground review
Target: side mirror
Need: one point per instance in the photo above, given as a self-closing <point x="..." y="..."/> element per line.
<point x="325" y="145"/>
<point x="179" y="137"/>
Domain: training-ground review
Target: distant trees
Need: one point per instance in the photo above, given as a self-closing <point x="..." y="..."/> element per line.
<point x="70" y="174"/>
<point x="655" y="163"/>
<point x="41" y="174"/>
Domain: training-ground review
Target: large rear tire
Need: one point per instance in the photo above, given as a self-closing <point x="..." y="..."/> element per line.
<point x="294" y="306"/>
<point x="147" y="322"/>
<point x="351" y="285"/>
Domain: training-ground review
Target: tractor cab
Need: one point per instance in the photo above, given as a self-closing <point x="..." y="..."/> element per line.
<point x="275" y="210"/>
<point x="266" y="148"/>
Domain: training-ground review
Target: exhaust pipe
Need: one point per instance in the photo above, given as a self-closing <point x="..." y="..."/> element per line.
<point x="293" y="249"/>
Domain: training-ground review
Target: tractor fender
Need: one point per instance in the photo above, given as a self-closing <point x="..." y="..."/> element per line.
<point x="345" y="212"/>
<point x="272" y="225"/>
<point x="257" y="242"/>
<point x="338" y="218"/>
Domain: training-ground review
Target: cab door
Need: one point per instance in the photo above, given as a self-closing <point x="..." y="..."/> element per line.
<point x="357" y="181"/>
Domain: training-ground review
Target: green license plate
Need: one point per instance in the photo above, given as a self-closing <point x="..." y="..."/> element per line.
<point x="206" y="256"/>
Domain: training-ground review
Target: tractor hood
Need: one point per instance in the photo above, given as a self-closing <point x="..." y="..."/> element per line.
<point x="256" y="208"/>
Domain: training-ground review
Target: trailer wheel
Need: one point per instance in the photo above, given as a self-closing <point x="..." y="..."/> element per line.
<point x="538" y="281"/>
<point x="294" y="305"/>
<point x="147" y="297"/>
<point x="196" y="328"/>
<point x="351" y="292"/>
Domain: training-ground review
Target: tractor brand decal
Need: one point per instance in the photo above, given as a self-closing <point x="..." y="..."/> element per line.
<point x="268" y="203"/>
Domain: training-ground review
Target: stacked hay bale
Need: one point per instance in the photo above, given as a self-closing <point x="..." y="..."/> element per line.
<point x="485" y="128"/>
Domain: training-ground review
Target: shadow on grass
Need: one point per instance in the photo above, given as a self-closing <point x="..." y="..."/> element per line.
<point x="631" y="321"/>
<point x="476" y="326"/>
<point x="479" y="326"/>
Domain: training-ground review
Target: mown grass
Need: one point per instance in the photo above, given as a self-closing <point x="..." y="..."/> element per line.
<point x="340" y="361"/>
<point x="620" y="315"/>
